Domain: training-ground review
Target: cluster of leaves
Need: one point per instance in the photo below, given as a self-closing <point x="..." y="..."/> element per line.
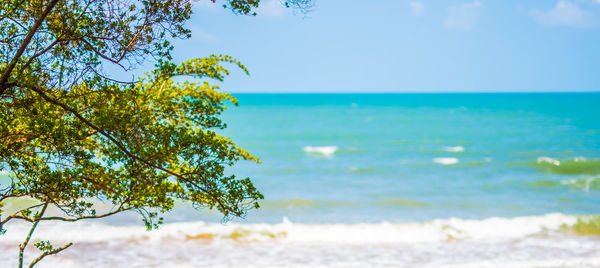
<point x="62" y="43"/>
<point x="138" y="145"/>
<point x="71" y="135"/>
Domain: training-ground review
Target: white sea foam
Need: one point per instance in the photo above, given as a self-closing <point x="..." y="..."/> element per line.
<point x="523" y="241"/>
<point x="454" y="149"/>
<point x="545" y="159"/>
<point x="445" y="160"/>
<point x="584" y="183"/>
<point x="385" y="232"/>
<point x="323" y="150"/>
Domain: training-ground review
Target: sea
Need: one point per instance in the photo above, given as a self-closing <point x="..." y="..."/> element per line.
<point x="378" y="180"/>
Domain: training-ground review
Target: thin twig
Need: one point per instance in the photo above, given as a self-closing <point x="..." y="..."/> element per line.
<point x="48" y="253"/>
<point x="35" y="223"/>
<point x="16" y="214"/>
<point x="56" y="218"/>
<point x="24" y="44"/>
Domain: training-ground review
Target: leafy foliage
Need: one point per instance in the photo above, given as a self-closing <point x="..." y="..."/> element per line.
<point x="136" y="145"/>
<point x="71" y="135"/>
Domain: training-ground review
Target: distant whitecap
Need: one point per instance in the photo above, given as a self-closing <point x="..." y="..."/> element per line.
<point x="545" y="159"/>
<point x="446" y="160"/>
<point x="323" y="150"/>
<point x="454" y="149"/>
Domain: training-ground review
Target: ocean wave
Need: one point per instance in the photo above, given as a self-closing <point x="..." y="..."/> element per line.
<point x="385" y="232"/>
<point x="365" y="170"/>
<point x="446" y="160"/>
<point x="586" y="184"/>
<point x="294" y="203"/>
<point x="323" y="150"/>
<point x="400" y="202"/>
<point x="288" y="203"/>
<point x="454" y="149"/>
<point x="493" y="242"/>
<point x="586" y="226"/>
<point x="301" y="203"/>
<point x="573" y="166"/>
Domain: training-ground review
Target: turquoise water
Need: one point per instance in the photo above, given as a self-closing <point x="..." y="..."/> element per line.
<point x="369" y="158"/>
<point x="396" y="152"/>
<point x="378" y="180"/>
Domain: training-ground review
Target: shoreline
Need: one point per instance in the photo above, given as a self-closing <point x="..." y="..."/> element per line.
<point x="494" y="242"/>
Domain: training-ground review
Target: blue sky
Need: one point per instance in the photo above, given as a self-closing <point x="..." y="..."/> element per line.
<point x="405" y="46"/>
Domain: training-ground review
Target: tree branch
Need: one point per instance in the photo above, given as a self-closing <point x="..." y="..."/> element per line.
<point x="16" y="215"/>
<point x="58" y="40"/>
<point x="48" y="253"/>
<point x="118" y="143"/>
<point x="98" y="129"/>
<point x="24" y="44"/>
<point x="114" y="61"/>
<point x="56" y="218"/>
<point x="35" y="223"/>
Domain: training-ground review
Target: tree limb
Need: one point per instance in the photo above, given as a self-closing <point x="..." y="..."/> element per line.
<point x="56" y="218"/>
<point x="16" y="215"/>
<point x="24" y="44"/>
<point x="58" y="40"/>
<point x="116" y="142"/>
<point x="35" y="223"/>
<point x="48" y="253"/>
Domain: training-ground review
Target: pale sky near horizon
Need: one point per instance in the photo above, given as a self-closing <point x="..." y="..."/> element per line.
<point x="405" y="46"/>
